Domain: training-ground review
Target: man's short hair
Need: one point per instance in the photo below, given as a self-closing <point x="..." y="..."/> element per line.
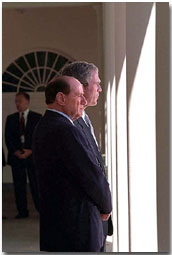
<point x="80" y="70"/>
<point x="26" y="95"/>
<point x="58" y="84"/>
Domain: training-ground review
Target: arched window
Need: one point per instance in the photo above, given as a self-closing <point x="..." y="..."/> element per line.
<point x="32" y="71"/>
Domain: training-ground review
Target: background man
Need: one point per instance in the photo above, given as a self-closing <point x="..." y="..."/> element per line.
<point x="74" y="192"/>
<point x="18" y="136"/>
<point x="3" y="164"/>
<point x="88" y="75"/>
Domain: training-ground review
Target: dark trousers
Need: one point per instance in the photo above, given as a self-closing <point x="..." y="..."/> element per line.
<point x="19" y="173"/>
<point x="103" y="249"/>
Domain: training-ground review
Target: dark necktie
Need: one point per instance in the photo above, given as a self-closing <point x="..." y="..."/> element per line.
<point x="22" y="124"/>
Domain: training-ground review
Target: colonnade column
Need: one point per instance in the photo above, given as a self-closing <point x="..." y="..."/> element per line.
<point x="116" y="123"/>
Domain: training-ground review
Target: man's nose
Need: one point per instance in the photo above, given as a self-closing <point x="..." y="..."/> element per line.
<point x="99" y="88"/>
<point x="83" y="101"/>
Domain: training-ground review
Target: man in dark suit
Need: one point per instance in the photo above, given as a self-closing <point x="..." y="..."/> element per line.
<point x="18" y="136"/>
<point x="3" y="164"/>
<point x="74" y="192"/>
<point x="88" y="75"/>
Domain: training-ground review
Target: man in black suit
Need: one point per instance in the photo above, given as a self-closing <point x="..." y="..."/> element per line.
<point x="74" y="192"/>
<point x="88" y="75"/>
<point x="18" y="136"/>
<point x="3" y="164"/>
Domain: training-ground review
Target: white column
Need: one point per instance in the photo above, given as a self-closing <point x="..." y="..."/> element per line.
<point x="141" y="84"/>
<point x="137" y="123"/>
<point x="122" y="139"/>
<point x="110" y="107"/>
<point x="116" y="117"/>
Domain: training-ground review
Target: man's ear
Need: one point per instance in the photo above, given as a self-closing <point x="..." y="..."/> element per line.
<point x="60" y="98"/>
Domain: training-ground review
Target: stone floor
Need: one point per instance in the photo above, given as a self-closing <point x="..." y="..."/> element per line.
<point x="22" y="235"/>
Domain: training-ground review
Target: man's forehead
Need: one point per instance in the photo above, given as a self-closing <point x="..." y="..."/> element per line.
<point x="20" y="97"/>
<point x="95" y="76"/>
<point x="77" y="88"/>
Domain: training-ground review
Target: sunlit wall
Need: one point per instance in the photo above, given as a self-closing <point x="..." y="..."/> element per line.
<point x="137" y="120"/>
<point x="142" y="129"/>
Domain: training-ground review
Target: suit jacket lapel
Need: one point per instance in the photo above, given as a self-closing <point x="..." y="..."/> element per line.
<point x="87" y="133"/>
<point x="18" y="123"/>
<point x="85" y="129"/>
<point x="90" y="140"/>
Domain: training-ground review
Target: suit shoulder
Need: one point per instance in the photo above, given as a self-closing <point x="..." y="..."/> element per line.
<point x="66" y="126"/>
<point x="71" y="130"/>
<point x="35" y="114"/>
<point x="13" y="115"/>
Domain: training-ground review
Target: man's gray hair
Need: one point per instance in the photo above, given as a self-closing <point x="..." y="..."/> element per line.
<point x="80" y="70"/>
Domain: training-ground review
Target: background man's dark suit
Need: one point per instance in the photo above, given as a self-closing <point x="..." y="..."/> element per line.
<point x="73" y="188"/>
<point x="19" y="166"/>
<point x="80" y="123"/>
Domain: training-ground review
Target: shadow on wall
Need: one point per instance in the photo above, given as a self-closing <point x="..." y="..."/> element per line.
<point x="138" y="25"/>
<point x="126" y="43"/>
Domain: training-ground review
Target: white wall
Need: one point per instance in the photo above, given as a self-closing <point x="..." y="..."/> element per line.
<point x="141" y="86"/>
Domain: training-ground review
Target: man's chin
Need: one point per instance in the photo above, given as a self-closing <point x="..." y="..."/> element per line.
<point x="77" y="116"/>
<point x="93" y="104"/>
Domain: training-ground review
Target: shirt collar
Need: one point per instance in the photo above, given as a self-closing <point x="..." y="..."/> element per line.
<point x="25" y="113"/>
<point x="83" y="115"/>
<point x="62" y="113"/>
